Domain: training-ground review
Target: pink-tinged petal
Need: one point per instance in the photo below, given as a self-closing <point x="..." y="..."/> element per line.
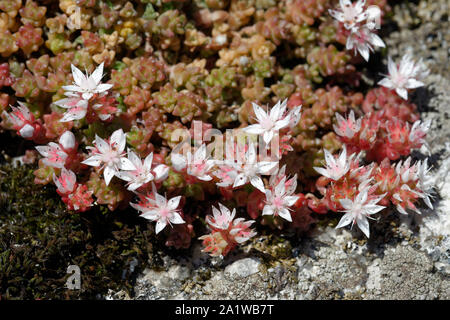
<point x="285" y="214"/>
<point x="108" y="174"/>
<point x="173" y="203"/>
<point x="27" y="131"/>
<point x="126" y="164"/>
<point x="160" y="225"/>
<point x="200" y="154"/>
<point x="67" y="140"/>
<point x="93" y="161"/>
<point x="345" y="220"/>
<point x="75" y="113"/>
<point x="43" y="150"/>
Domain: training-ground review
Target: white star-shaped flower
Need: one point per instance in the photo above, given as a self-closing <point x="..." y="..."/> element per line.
<point x="161" y="210"/>
<point x="111" y="154"/>
<point x="221" y="219"/>
<point x="280" y="200"/>
<point x="144" y="173"/>
<point x="403" y="77"/>
<point x="251" y="170"/>
<point x="359" y="209"/>
<point x="335" y="168"/>
<point x="269" y="122"/>
<point x="86" y="84"/>
<point x="364" y="40"/>
<point x="198" y="164"/>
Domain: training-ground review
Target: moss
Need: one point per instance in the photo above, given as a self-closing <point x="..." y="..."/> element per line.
<point x="39" y="239"/>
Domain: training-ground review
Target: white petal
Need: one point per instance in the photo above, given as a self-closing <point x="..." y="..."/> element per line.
<point x="160" y="225"/>
<point x="176" y="219"/>
<point x="178" y="161"/>
<point x="148" y="161"/>
<point x="363" y="225"/>
<point x="285" y="214"/>
<point x="402" y="92"/>
<point x="118" y="137"/>
<point x="98" y="74"/>
<point x="27" y="131"/>
<point x="173" y="203"/>
<point x="103" y="87"/>
<point x="386" y="82"/>
<point x="93" y="161"/>
<point x="259" y="112"/>
<point x="254" y="129"/>
<point x="291" y="200"/>
<point x="161" y="172"/>
<point x="108" y="174"/>
<point x="67" y="140"/>
<point x="265" y="167"/>
<point x="240" y="180"/>
<point x="364" y="52"/>
<point x="413" y="84"/>
<point x="126" y="164"/>
<point x="74" y="113"/>
<point x="267" y="137"/>
<point x="268" y="210"/>
<point x="43" y="150"/>
<point x="78" y="76"/>
<point x="345" y="220"/>
<point x="101" y="144"/>
<point x="258" y="183"/>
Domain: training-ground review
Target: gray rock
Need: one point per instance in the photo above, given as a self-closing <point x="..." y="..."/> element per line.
<point x="243" y="268"/>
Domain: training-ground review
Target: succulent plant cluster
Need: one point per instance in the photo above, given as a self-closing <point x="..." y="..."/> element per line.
<point x="109" y="90"/>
